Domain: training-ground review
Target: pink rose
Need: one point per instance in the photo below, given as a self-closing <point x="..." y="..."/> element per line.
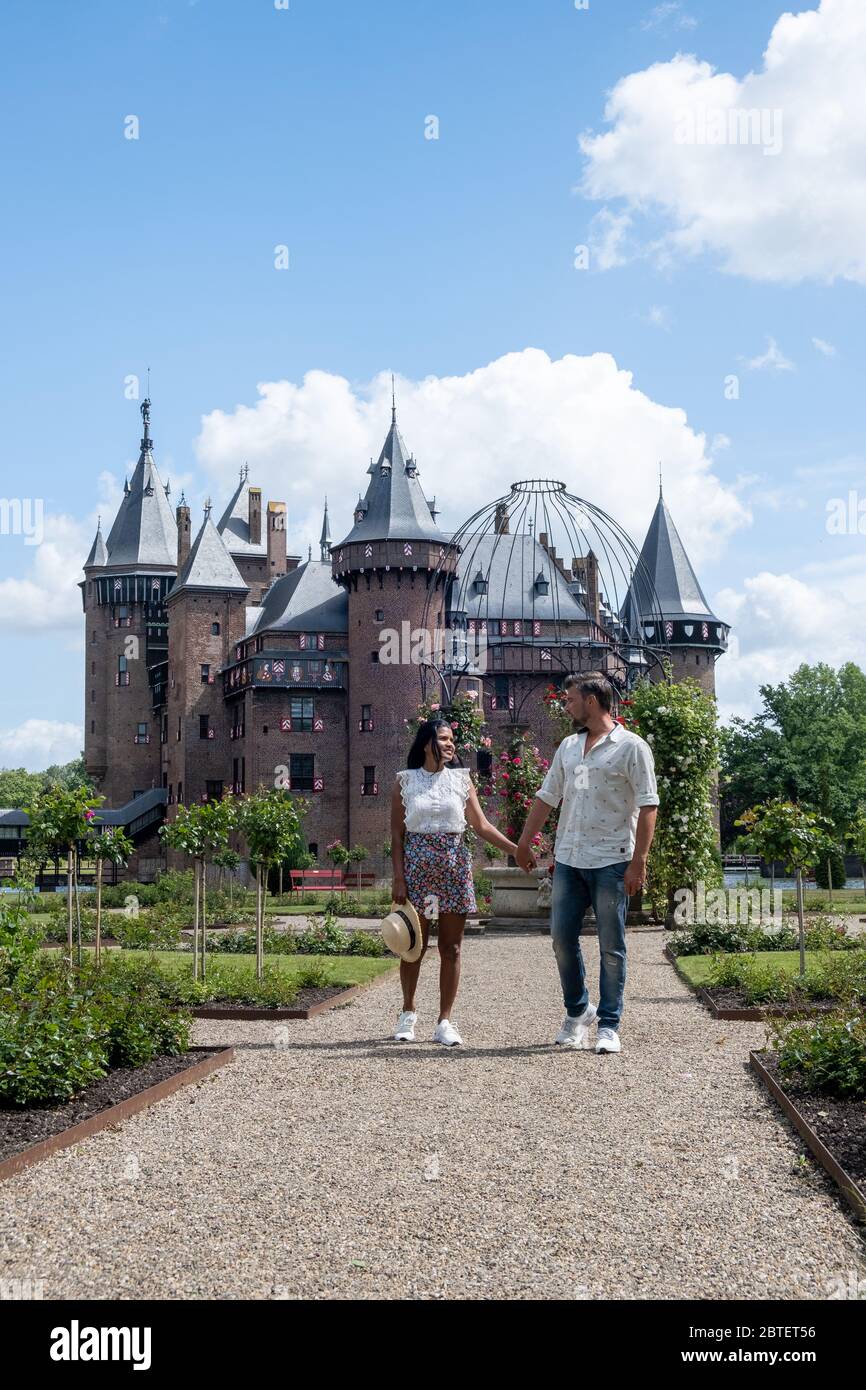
<point x="433" y="707"/>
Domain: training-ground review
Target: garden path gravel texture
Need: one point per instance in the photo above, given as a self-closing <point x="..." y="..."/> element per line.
<point x="329" y="1162"/>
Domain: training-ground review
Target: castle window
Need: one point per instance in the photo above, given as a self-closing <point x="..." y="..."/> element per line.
<point x="370" y="787"/>
<point x="93" y="697"/>
<point x="366" y="721"/>
<point x="141" y="734"/>
<point x="206" y="677"/>
<point x="122" y="677"/>
<point x="178" y="728"/>
<point x="214" y="629"/>
<point x="213" y="791"/>
<point x="180" y="793"/>
<point x="313" y="849"/>
<point x="93" y="726"/>
<point x="93" y="668"/>
<point x="301" y="772"/>
<point x="302" y="715"/>
<point x="380" y="615"/>
<point x="204" y="726"/>
<point x="374" y="657"/>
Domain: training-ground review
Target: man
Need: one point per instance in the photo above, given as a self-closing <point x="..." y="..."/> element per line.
<point x="605" y="778"/>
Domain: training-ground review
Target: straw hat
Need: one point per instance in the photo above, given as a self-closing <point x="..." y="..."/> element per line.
<point x="401" y="932"/>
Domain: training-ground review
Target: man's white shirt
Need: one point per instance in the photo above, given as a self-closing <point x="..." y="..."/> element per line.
<point x="601" y="796"/>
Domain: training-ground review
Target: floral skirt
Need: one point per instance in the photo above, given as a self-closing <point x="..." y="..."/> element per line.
<point x="438" y="872"/>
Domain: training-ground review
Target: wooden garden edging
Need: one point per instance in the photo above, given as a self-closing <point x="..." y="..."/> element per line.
<point x="853" y="1194"/>
<point x="112" y="1114"/>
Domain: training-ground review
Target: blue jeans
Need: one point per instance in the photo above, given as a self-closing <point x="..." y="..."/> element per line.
<point x="573" y="891"/>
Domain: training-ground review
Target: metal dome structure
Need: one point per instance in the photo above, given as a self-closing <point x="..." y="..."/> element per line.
<point x="538" y="584"/>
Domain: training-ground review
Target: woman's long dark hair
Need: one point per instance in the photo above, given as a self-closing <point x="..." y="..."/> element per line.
<point x="426" y="735"/>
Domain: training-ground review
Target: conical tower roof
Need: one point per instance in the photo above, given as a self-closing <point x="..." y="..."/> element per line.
<point x="325" y="538"/>
<point x="98" y="556"/>
<point x="209" y="564"/>
<point x="234" y="524"/>
<point x="394" y="507"/>
<point x="666" y="567"/>
<point x="144" y="534"/>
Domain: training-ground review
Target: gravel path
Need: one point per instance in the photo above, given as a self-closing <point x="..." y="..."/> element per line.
<point x="328" y="1162"/>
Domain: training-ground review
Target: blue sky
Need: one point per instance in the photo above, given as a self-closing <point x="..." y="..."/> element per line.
<point x="430" y="258"/>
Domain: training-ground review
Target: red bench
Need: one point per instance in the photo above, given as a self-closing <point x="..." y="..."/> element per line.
<point x="317" y="881"/>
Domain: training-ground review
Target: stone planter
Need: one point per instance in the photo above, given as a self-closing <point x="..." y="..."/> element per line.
<point x="514" y="898"/>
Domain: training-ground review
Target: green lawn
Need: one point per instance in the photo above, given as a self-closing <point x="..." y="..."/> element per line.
<point x="696" y="969"/>
<point x="344" y="970"/>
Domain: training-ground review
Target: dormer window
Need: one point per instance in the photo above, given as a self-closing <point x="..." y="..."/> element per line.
<point x="541" y="584"/>
<point x="479" y="584"/>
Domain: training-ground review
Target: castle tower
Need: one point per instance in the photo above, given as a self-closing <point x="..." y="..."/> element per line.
<point x="126" y="582"/>
<point x="256" y="544"/>
<point x="207" y="614"/>
<point x="386" y="564"/>
<point x="692" y="633"/>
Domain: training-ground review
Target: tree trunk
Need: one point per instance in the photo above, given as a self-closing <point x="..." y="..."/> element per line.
<point x="281" y="883"/>
<point x="260" y="914"/>
<point x="77" y="909"/>
<point x="195" y="920"/>
<point x="203" y="919"/>
<point x="830" y="881"/>
<point x="802" y="921"/>
<point x="69" y="937"/>
<point x="98" y="942"/>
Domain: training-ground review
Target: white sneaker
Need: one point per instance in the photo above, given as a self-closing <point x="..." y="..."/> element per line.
<point x="573" y="1032"/>
<point x="447" y="1034"/>
<point x="608" y="1040"/>
<point x="406" y="1026"/>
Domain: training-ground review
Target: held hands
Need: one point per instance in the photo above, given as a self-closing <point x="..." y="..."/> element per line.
<point x="524" y="856"/>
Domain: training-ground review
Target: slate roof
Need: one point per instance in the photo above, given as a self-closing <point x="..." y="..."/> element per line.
<point x="668" y="568"/>
<point x="511" y="564"/>
<point x="394" y="507"/>
<point x="234" y="524"/>
<point x="98" y="554"/>
<point x="144" y="531"/>
<point x="304" y="600"/>
<point x="209" y="564"/>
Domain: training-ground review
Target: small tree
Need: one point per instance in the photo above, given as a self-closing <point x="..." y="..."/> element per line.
<point x="185" y="835"/>
<point x="271" y="825"/>
<point x="798" y="837"/>
<point x="59" y="820"/>
<point x="228" y="860"/>
<point x="357" y="855"/>
<point x="217" y="819"/>
<point x="114" y="846"/>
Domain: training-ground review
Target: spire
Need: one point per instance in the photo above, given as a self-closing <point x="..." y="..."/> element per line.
<point x="98" y="554"/>
<point x="309" y="553"/>
<point x="209" y="564"/>
<point x="234" y="524"/>
<point x="393" y="402"/>
<point x="144" y="533"/>
<point x="665" y="584"/>
<point x="661" y="493"/>
<point x="325" y="538"/>
<point x="394" y="506"/>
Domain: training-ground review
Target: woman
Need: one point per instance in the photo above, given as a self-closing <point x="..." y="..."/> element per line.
<point x="431" y="802"/>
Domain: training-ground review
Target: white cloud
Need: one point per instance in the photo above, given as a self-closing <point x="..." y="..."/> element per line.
<point x="773" y="360"/>
<point x="37" y="743"/>
<point x="608" y="235"/>
<point x="669" y="10"/>
<point x="827" y="349"/>
<point x="781" y="621"/>
<point x="47" y="597"/>
<point x="577" y="419"/>
<point x="786" y="202"/>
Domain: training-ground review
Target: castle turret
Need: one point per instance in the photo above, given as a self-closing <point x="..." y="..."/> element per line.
<point x="386" y="563"/>
<point x="690" y="631"/>
<point x="126" y="581"/>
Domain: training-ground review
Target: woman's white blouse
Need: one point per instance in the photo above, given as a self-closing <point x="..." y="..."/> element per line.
<point x="435" y="802"/>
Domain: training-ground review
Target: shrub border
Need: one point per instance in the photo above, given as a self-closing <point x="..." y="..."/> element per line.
<point x="854" y="1195"/>
<point x="744" y="1015"/>
<point x="35" y="1153"/>
<point x="254" y="1013"/>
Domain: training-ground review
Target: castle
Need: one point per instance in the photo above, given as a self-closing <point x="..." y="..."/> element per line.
<point x="216" y="661"/>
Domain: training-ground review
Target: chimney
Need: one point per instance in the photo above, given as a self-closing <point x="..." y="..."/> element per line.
<point x="255" y="516"/>
<point x="585" y="568"/>
<point x="500" y="524"/>
<point x="182" y="513"/>
<point x="276" y="538"/>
